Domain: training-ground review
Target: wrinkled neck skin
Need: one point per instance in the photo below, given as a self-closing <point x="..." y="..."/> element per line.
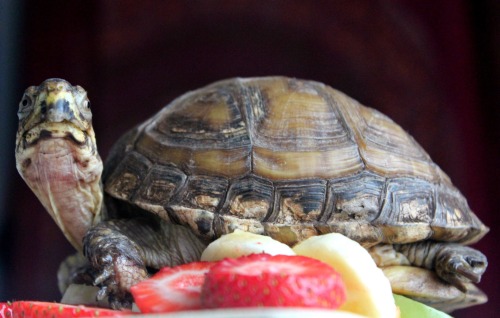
<point x="66" y="178"/>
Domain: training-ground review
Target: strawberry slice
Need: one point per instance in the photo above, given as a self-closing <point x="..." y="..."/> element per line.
<point x="39" y="309"/>
<point x="171" y="289"/>
<point x="272" y="281"/>
<point x="6" y="310"/>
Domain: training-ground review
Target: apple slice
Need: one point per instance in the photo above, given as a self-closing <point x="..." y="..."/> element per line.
<point x="368" y="290"/>
<point x="240" y="243"/>
<point x="413" y="309"/>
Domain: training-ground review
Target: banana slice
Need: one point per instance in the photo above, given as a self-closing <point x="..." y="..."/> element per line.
<point x="240" y="243"/>
<point x="368" y="290"/>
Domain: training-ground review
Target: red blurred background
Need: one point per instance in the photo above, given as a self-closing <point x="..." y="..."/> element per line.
<point x="432" y="66"/>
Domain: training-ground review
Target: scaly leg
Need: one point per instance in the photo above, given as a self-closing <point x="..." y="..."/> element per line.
<point x="122" y="250"/>
<point x="454" y="263"/>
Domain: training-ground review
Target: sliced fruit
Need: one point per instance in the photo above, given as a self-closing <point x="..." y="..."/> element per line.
<point x="171" y="289"/>
<point x="36" y="309"/>
<point x="413" y="309"/>
<point x="79" y="294"/>
<point x="263" y="280"/>
<point x="240" y="243"/>
<point x="368" y="290"/>
<point x="267" y="312"/>
<point x="6" y="310"/>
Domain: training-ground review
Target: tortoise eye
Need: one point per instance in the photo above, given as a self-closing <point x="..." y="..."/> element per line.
<point x="25" y="102"/>
<point x="86" y="104"/>
<point x="24" y="107"/>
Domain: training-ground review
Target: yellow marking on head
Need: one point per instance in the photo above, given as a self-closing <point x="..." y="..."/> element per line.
<point x="54" y="96"/>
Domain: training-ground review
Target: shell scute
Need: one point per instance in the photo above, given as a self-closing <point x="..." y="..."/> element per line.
<point x="284" y="117"/>
<point x="297" y="131"/>
<point x="408" y="210"/>
<point x="356" y="198"/>
<point x="384" y="146"/>
<point x="212" y="114"/>
<point x="202" y="132"/>
<point x="352" y="204"/>
<point x="249" y="198"/>
<point x="453" y="219"/>
<point x="299" y="202"/>
<point x="197" y="202"/>
<point x="203" y="192"/>
<point x="160" y="185"/>
<point x="127" y="176"/>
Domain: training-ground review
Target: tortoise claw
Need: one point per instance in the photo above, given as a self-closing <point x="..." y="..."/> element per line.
<point x="115" y="279"/>
<point x="466" y="272"/>
<point x="104" y="276"/>
<point x="102" y="293"/>
<point x="117" y="263"/>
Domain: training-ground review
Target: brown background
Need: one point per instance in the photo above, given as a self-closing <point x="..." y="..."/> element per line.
<point x="433" y="66"/>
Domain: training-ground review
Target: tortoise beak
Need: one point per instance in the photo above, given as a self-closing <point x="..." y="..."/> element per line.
<point x="58" y="107"/>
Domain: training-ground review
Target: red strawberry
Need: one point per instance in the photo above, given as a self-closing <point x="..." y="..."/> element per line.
<point x="171" y="289"/>
<point x="38" y="309"/>
<point x="6" y="310"/>
<point x="272" y="281"/>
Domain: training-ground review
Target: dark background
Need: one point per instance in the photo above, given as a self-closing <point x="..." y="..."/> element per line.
<point x="432" y="66"/>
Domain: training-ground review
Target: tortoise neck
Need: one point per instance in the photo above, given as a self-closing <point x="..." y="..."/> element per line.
<point x="67" y="180"/>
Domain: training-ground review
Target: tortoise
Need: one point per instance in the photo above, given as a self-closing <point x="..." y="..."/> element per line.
<point x="278" y="156"/>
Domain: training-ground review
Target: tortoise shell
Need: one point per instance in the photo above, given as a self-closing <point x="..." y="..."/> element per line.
<point x="287" y="158"/>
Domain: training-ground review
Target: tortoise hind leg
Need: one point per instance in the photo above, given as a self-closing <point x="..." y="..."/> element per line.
<point x="454" y="263"/>
<point x="460" y="264"/>
<point x="121" y="250"/>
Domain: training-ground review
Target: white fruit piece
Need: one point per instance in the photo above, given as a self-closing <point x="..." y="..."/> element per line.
<point x="268" y="312"/>
<point x="240" y="243"/>
<point x="368" y="290"/>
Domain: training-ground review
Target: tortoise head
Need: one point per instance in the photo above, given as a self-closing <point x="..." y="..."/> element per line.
<point x="56" y="154"/>
<point x="55" y="108"/>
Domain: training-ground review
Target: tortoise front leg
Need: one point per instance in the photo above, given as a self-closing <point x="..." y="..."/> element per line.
<point x="454" y="263"/>
<point x="116" y="258"/>
<point x="121" y="250"/>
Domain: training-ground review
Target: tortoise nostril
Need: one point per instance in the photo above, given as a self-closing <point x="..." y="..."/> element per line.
<point x="43" y="108"/>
